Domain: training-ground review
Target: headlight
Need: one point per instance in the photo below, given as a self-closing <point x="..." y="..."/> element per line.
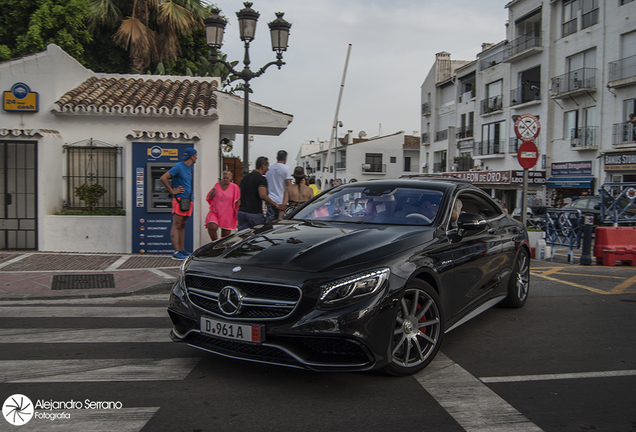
<point x="355" y="287"/>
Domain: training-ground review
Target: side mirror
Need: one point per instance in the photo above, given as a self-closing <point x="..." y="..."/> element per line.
<point x="471" y="221"/>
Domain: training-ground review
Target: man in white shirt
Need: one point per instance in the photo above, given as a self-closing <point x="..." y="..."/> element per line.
<point x="278" y="178"/>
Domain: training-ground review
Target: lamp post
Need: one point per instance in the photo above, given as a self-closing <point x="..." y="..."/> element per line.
<point x="247" y="17"/>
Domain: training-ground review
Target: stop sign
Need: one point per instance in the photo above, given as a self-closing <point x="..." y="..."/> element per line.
<point x="528" y="154"/>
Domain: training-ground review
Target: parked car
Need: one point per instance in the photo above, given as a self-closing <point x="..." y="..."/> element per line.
<point x="535" y="216"/>
<point x="375" y="286"/>
<point x="592" y="206"/>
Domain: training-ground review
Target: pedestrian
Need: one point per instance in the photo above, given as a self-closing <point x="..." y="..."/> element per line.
<point x="297" y="193"/>
<point x="278" y="178"/>
<point x="224" y="200"/>
<point x="253" y="193"/>
<point x="182" y="174"/>
<point x="312" y="185"/>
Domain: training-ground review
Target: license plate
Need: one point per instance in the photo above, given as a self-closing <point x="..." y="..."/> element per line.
<point x="232" y="330"/>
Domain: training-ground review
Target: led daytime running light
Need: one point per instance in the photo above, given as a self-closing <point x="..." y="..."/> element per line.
<point x="381" y="275"/>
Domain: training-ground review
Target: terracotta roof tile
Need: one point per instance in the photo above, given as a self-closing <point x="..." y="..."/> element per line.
<point x="141" y="96"/>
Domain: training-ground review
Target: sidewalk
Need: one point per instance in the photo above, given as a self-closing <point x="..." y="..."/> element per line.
<point x="46" y="275"/>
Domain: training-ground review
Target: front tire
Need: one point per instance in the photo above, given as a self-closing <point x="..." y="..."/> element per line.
<point x="417" y="330"/>
<point x="519" y="283"/>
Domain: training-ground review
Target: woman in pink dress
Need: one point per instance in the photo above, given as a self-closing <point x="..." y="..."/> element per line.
<point x="224" y="200"/>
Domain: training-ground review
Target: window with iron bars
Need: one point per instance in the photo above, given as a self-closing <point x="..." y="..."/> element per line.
<point x="93" y="162"/>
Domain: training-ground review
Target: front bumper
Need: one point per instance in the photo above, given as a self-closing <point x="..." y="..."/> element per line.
<point x="352" y="338"/>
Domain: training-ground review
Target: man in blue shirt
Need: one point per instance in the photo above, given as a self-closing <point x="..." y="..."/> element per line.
<point x="182" y="174"/>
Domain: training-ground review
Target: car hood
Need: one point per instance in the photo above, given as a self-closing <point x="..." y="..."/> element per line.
<point x="313" y="247"/>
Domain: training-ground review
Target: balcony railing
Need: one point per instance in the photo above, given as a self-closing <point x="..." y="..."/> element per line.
<point x="465" y="164"/>
<point x="623" y="68"/>
<point x="583" y="137"/>
<point x="513" y="145"/>
<point x="491" y="104"/>
<point x="590" y="18"/>
<point x="490" y="147"/>
<point x="522" y="43"/>
<point x="526" y="93"/>
<point x="374" y="168"/>
<point x="623" y="133"/>
<point x="491" y="60"/>
<point x="439" y="166"/>
<point x="441" y="135"/>
<point x="570" y="27"/>
<point x="464" y="132"/>
<point x="426" y="139"/>
<point x="580" y="79"/>
<point x="341" y="165"/>
<point x="466" y="144"/>
<point x="426" y="108"/>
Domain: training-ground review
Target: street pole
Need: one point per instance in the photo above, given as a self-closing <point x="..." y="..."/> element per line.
<point x="524" y="198"/>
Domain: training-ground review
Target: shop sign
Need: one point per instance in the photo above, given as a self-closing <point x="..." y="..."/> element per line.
<point x="620" y="161"/>
<point x="20" y="99"/>
<point x="483" y="177"/>
<point x="582" y="168"/>
<point x="534" y="177"/>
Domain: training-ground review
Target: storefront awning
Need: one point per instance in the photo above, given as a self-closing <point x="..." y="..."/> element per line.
<point x="569" y="182"/>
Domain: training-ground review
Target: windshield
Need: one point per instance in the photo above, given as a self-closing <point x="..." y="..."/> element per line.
<point x="375" y="204"/>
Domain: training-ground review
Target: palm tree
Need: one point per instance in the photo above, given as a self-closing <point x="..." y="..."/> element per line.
<point x="151" y="28"/>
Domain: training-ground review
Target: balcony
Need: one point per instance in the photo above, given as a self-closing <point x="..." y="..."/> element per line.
<point x="570" y="27"/>
<point x="439" y="167"/>
<point x="426" y="109"/>
<point x="491" y="105"/>
<point x="572" y="83"/>
<point x="464" y="163"/>
<point x="584" y="138"/>
<point x="513" y="145"/>
<point x="525" y="94"/>
<point x="464" y="132"/>
<point x="441" y="135"/>
<point x="622" y="73"/>
<point x="623" y="134"/>
<point x="341" y="165"/>
<point x="524" y="46"/>
<point x="491" y="60"/>
<point x="426" y="140"/>
<point x="589" y="18"/>
<point x="490" y="147"/>
<point x="373" y="168"/>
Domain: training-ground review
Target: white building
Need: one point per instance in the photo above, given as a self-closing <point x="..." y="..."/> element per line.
<point x="63" y="126"/>
<point x="362" y="158"/>
<point x="572" y="64"/>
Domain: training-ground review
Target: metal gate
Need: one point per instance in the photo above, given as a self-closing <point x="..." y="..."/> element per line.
<point x="18" y="195"/>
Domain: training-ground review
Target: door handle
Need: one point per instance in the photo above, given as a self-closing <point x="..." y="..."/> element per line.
<point x="492" y="231"/>
<point x="8" y="199"/>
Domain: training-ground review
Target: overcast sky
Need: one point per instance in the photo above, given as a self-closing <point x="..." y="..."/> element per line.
<point x="394" y="43"/>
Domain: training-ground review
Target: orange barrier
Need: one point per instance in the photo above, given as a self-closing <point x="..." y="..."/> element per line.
<point x="613" y="244"/>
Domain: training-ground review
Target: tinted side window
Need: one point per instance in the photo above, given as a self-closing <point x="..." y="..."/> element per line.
<point x="480" y="204"/>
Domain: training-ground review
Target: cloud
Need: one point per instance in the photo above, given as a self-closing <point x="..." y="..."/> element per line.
<point x="393" y="48"/>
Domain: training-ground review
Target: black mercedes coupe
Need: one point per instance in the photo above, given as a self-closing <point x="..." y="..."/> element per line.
<point x="365" y="276"/>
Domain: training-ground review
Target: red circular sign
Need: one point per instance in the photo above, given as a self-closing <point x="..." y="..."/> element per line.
<point x="527" y="127"/>
<point x="528" y="154"/>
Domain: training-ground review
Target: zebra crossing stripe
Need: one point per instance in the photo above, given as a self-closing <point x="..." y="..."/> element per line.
<point x="121" y="420"/>
<point x="94" y="370"/>
<point x="102" y="335"/>
<point x="81" y="312"/>
<point x="473" y="405"/>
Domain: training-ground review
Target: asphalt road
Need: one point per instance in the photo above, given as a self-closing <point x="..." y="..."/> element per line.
<point x="564" y="362"/>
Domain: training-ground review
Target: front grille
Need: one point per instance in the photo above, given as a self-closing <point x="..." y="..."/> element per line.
<point x="238" y="349"/>
<point x="311" y="352"/>
<point x="260" y="301"/>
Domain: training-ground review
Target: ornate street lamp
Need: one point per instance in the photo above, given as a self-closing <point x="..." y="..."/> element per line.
<point x="247" y="17"/>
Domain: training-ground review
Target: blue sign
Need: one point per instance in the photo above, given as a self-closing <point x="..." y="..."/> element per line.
<point x="581" y="168"/>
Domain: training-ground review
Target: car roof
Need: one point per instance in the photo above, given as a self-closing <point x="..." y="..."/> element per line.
<point x="436" y="183"/>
